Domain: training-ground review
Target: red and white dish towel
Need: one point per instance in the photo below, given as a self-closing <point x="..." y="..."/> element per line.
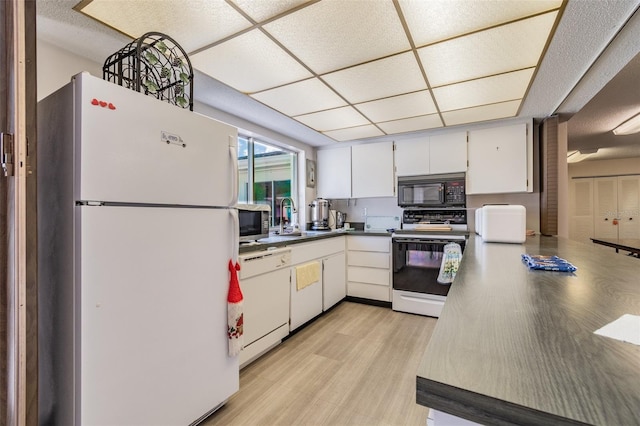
<point x="235" y="318"/>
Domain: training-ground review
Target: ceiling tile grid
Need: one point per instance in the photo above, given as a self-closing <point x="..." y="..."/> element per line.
<point x="359" y="69"/>
<point x="331" y="35"/>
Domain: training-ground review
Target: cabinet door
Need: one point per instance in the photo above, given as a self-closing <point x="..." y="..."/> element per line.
<point x="306" y="301"/>
<point x="334" y="280"/>
<point x="581" y="210"/>
<point x="412" y="157"/>
<point x="605" y="197"/>
<point x="372" y="170"/>
<point x="498" y="160"/>
<point x="629" y="207"/>
<point x="448" y="153"/>
<point x="334" y="172"/>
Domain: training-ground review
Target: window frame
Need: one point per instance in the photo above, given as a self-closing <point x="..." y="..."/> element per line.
<point x="274" y="222"/>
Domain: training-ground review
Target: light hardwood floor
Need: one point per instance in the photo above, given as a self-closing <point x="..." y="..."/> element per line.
<point x="355" y="365"/>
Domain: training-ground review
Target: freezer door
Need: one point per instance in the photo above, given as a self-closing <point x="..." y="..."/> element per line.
<point x="152" y="321"/>
<point x="135" y="148"/>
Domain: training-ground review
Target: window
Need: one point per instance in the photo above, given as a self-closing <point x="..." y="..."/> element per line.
<point x="267" y="174"/>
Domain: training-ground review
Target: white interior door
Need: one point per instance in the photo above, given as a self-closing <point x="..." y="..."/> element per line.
<point x="605" y="196"/>
<point x="629" y="206"/>
<point x="581" y="210"/>
<point x="152" y="319"/>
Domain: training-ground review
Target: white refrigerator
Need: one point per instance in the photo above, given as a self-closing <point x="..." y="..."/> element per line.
<point x="136" y="228"/>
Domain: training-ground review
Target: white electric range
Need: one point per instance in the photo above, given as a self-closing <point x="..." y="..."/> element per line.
<point x="418" y="250"/>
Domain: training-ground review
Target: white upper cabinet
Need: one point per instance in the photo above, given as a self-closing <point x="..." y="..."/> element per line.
<point x="443" y="153"/>
<point x="372" y="170"/>
<point x="448" y="153"/>
<point x="334" y="173"/>
<point x="500" y="160"/>
<point x="412" y="156"/>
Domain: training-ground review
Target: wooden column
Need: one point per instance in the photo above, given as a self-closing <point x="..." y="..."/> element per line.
<point x="549" y="176"/>
<point x="18" y="240"/>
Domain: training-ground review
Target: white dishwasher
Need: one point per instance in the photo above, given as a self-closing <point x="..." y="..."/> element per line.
<point x="264" y="280"/>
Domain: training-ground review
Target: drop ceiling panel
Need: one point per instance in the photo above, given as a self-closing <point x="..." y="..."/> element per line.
<point x="262" y="10"/>
<point x="481" y="113"/>
<point x="301" y="98"/>
<point x="411" y="124"/>
<point x="331" y="35"/>
<point x="249" y="63"/>
<point x="360" y="132"/>
<point x="500" y="88"/>
<point x="436" y="20"/>
<point x="348" y="68"/>
<point x="338" y="118"/>
<point x="391" y="76"/>
<point x="501" y="49"/>
<point x="193" y="24"/>
<point x="409" y="105"/>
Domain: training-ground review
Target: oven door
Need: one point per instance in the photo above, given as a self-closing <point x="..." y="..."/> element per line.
<point x="416" y="265"/>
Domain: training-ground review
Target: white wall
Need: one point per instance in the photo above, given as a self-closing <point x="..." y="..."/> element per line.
<point x="356" y="209"/>
<point x="388" y="206"/>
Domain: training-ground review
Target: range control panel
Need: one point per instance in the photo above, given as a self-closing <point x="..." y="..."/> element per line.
<point x="454" y="192"/>
<point x="434" y="216"/>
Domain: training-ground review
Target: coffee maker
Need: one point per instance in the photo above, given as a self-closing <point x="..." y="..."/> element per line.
<point x="320" y="214"/>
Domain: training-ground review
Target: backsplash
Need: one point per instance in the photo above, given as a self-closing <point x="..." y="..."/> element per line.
<point x="357" y="209"/>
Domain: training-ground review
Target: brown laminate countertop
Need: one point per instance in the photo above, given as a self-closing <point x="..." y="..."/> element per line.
<point x="516" y="346"/>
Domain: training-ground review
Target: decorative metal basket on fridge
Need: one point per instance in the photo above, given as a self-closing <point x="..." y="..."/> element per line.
<point x="155" y="65"/>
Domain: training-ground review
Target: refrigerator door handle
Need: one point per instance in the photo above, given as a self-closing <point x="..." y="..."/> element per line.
<point x="235" y="237"/>
<point x="233" y="153"/>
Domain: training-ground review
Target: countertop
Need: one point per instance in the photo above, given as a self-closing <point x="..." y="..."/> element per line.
<point x="516" y="346"/>
<point x="283" y="241"/>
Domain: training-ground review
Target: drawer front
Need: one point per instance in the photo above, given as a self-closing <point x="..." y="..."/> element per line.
<point x="369" y="291"/>
<point x="369" y="259"/>
<point x="305" y="252"/>
<point x="363" y="243"/>
<point x="369" y="275"/>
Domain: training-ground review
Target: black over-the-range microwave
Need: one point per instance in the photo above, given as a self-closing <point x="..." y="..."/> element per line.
<point x="433" y="191"/>
<point x="254" y="221"/>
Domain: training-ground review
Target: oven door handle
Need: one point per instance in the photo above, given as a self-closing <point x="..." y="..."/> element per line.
<point x="420" y="241"/>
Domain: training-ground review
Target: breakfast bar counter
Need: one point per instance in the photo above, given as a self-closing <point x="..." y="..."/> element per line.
<point x="517" y="346"/>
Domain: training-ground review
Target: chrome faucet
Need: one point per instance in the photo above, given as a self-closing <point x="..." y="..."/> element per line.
<point x="293" y="210"/>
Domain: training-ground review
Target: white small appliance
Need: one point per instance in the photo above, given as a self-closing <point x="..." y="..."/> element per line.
<point x="253" y="222"/>
<point x="504" y="224"/>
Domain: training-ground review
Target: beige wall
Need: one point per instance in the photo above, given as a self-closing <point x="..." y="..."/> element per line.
<point x="56" y="66"/>
<point x="605" y="167"/>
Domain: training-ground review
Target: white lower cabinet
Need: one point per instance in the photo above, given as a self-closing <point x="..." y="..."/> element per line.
<point x="308" y="280"/>
<point x="369" y="267"/>
<point x="334" y="279"/>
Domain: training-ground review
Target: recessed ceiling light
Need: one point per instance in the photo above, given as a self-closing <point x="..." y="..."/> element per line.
<point x="629" y="127"/>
